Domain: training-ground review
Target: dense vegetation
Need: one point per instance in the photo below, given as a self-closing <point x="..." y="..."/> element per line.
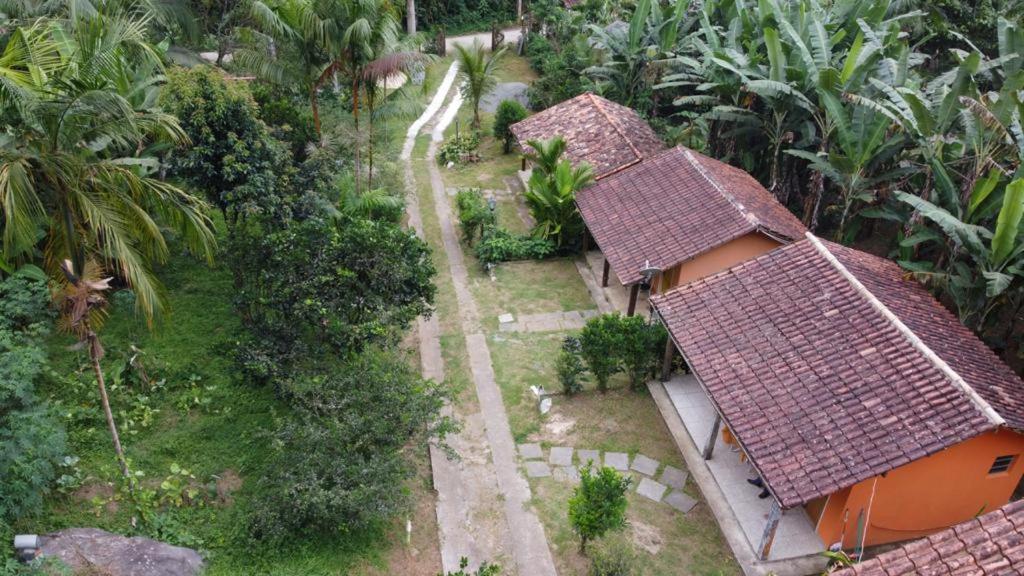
<point x="876" y="126"/>
<point x="235" y="274"/>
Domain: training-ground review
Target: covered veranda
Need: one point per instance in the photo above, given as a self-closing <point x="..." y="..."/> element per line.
<point x="764" y="538"/>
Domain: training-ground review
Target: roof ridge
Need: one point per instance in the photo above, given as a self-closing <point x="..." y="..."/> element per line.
<point x="983" y="406"/>
<point x="749" y="217"/>
<point x="615" y="125"/>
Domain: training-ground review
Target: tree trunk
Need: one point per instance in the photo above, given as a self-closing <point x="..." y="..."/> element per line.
<point x="410" y="16"/>
<point x="95" y="353"/>
<point x="355" y="119"/>
<point x="316" y="112"/>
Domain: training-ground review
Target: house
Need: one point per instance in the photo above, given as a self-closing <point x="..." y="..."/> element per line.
<point x="990" y="545"/>
<point x="869" y="413"/>
<point x="683" y="214"/>
<point x="608" y="136"/>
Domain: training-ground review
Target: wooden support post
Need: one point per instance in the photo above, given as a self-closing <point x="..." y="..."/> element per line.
<point x="604" y="274"/>
<point x="709" y="446"/>
<point x="666" y="361"/>
<point x="774" y="516"/>
<point x="586" y="242"/>
<point x="634" y="291"/>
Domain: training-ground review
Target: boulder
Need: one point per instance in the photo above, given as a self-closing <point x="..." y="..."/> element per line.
<point x="92" y="550"/>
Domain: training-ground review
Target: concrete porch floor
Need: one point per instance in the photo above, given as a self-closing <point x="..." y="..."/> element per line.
<point x="617" y="294"/>
<point x="723" y="480"/>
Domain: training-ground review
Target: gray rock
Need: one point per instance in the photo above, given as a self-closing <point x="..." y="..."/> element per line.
<point x="589" y="455"/>
<point x="680" y="501"/>
<point x="673" y="477"/>
<point x="651" y="489"/>
<point x="560" y="456"/>
<point x="617" y="460"/>
<point x="93" y="550"/>
<point x="545" y="405"/>
<point x="530" y="452"/>
<point x="505" y="91"/>
<point x="537" y="469"/>
<point x="506" y="318"/>
<point x="645" y="465"/>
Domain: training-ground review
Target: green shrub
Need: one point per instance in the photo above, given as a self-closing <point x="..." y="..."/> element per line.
<point x="509" y="112"/>
<point x="641" y="344"/>
<point x="612" y="343"/>
<point x="32" y="440"/>
<point x="600" y="343"/>
<point x="342" y="457"/>
<point x="459" y="149"/>
<point x="598" y="504"/>
<point x="499" y="245"/>
<point x="570" y="368"/>
<point x="474" y="214"/>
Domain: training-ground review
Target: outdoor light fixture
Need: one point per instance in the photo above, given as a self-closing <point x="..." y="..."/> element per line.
<point x="26" y="547"/>
<point x="648" y="272"/>
<point x="492" y="204"/>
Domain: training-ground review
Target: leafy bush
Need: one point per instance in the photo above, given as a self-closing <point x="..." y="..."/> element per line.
<point x="499" y="245"/>
<point x="458" y="16"/>
<point x="459" y="149"/>
<point x="32" y="440"/>
<point x="612" y="343"/>
<point x="485" y="569"/>
<point x="598" y="504"/>
<point x="641" y="343"/>
<point x="509" y="112"/>
<point x="600" y="343"/>
<point x="560" y="70"/>
<point x="341" y="458"/>
<point x="332" y="286"/>
<point x="570" y="368"/>
<point x="474" y="214"/>
<point x="289" y="118"/>
<point x="612" y="559"/>
<point x="231" y="157"/>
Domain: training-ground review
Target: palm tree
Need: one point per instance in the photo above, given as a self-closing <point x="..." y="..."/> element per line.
<point x="551" y="198"/>
<point x="546" y="154"/>
<point x="81" y="301"/>
<point x="477" y="70"/>
<point x="73" y="168"/>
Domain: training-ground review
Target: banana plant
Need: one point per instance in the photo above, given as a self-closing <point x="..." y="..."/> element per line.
<point x="987" y="266"/>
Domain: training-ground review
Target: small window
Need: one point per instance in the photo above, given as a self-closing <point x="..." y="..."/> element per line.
<point x="1001" y="464"/>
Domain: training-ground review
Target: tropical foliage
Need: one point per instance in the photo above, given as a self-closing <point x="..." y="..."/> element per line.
<point x="551" y="192"/>
<point x="477" y="69"/>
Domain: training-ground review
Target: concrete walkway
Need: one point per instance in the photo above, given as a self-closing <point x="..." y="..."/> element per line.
<point x="529" y="544"/>
<point x="511" y="37"/>
<point x="466" y="511"/>
<point x="482" y="509"/>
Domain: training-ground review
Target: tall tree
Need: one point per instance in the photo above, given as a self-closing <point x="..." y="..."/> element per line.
<point x="76" y="165"/>
<point x="477" y="70"/>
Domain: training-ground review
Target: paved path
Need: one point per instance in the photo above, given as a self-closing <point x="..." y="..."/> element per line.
<point x="511" y="37"/>
<point x="468" y="516"/>
<point x="529" y="547"/>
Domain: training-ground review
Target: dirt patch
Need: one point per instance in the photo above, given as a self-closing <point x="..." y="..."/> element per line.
<point x="558" y="428"/>
<point x="98" y="492"/>
<point x="228" y="482"/>
<point x="646" y="536"/>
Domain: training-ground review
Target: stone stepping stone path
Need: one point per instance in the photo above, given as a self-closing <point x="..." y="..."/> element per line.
<point x="563" y="463"/>
<point x="617" y="460"/>
<point x="545" y="322"/>
<point x="651" y="489"/>
<point x="645" y="465"/>
<point x="673" y="477"/>
<point x="530" y="452"/>
<point x="560" y="456"/>
<point x="537" y="469"/>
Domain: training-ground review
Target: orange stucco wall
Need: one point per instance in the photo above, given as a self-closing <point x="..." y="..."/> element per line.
<point x="925" y="496"/>
<point x="727" y="255"/>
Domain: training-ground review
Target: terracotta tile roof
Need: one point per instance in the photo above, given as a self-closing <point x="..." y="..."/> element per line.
<point x="819" y="359"/>
<point x="675" y="206"/>
<point x="606" y="135"/>
<point x="992" y="544"/>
